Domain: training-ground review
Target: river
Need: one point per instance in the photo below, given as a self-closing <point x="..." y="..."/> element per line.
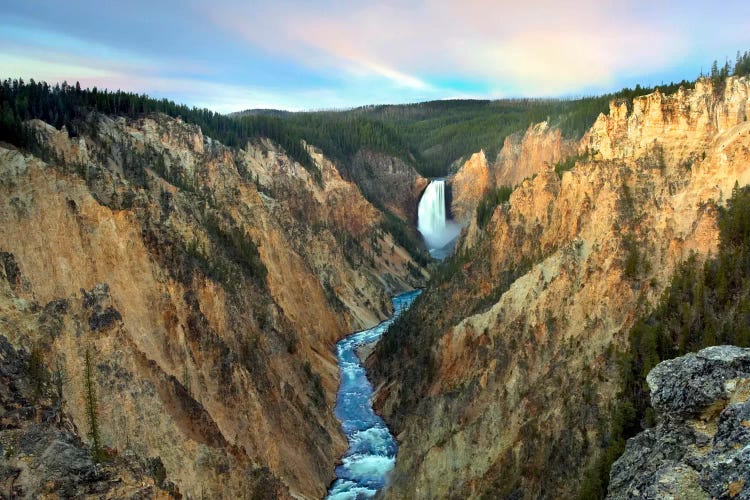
<point x="372" y="448"/>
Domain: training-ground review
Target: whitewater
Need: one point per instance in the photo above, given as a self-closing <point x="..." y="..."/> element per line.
<point x="438" y="231"/>
<point x="372" y="448"/>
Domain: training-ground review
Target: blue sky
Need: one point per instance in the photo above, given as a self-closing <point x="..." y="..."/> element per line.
<point x="294" y="54"/>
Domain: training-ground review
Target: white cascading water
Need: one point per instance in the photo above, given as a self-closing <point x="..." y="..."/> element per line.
<point x="437" y="230"/>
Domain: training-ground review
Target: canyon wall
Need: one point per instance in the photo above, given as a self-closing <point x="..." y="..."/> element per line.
<point x="522" y="156"/>
<point x="208" y="285"/>
<point x="389" y="182"/>
<point x="470" y="183"/>
<point x="499" y="381"/>
<point x="528" y="153"/>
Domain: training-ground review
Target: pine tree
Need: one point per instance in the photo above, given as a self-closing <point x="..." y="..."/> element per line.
<point x="186" y="378"/>
<point x="37" y="372"/>
<point x="91" y="409"/>
<point x="58" y="381"/>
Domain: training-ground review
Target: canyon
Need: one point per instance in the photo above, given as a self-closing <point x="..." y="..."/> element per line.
<point x="207" y="284"/>
<point x="201" y="290"/>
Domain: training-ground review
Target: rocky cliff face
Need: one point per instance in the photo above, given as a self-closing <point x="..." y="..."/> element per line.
<point x="507" y="390"/>
<point x="522" y="156"/>
<point x="528" y="153"/>
<point x="209" y="286"/>
<point x="390" y="182"/>
<point x="43" y="454"/>
<point x="469" y="184"/>
<point x="676" y="129"/>
<point x="700" y="447"/>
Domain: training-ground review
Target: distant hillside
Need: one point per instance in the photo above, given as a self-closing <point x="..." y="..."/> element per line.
<point x="433" y="135"/>
<point x="260" y="112"/>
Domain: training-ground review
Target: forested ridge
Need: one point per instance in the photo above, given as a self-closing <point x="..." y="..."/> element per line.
<point x="433" y="135"/>
<point x="429" y="135"/>
<point x="67" y="105"/>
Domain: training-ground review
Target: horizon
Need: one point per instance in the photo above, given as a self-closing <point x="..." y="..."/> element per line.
<point x="305" y="56"/>
<point x="540" y="99"/>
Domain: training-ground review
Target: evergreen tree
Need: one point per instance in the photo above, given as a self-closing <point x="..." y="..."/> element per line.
<point x="58" y="381"/>
<point x="37" y="372"/>
<point x="92" y="412"/>
<point x="715" y="70"/>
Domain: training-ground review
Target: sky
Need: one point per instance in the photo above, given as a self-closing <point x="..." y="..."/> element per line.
<point x="323" y="54"/>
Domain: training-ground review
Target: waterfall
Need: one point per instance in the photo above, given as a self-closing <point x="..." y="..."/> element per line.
<point x="437" y="230"/>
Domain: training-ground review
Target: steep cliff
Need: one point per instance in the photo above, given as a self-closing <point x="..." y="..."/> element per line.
<point x="43" y="454"/>
<point x="389" y="181"/>
<point x="507" y="391"/>
<point x="682" y="127"/>
<point x="209" y="286"/>
<point x="700" y="447"/>
<point x="470" y="183"/>
<point x="525" y="154"/>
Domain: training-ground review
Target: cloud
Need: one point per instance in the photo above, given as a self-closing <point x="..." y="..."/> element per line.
<point x="304" y="54"/>
<point x="320" y="44"/>
<point x="46" y="70"/>
<point x="526" y="47"/>
<point x="145" y="78"/>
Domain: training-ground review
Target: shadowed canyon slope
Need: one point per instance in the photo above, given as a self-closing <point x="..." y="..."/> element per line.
<point x="209" y="285"/>
<point x="499" y="380"/>
<point x="390" y="182"/>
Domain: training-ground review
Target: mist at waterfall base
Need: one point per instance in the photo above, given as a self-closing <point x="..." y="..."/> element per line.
<point x="372" y="448"/>
<point x="438" y="231"/>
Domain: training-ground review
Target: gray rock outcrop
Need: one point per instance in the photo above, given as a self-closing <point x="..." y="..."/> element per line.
<point x="700" y="447"/>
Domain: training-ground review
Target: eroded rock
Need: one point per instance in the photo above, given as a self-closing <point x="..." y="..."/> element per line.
<point x="700" y="447"/>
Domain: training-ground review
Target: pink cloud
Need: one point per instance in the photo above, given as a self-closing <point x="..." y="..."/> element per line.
<point x="545" y="46"/>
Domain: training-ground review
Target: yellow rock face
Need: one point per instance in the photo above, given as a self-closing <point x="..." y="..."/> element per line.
<point x="522" y="156"/>
<point x="685" y="125"/>
<point x="470" y="183"/>
<point x="534" y="151"/>
<point x="513" y="398"/>
<point x="230" y="379"/>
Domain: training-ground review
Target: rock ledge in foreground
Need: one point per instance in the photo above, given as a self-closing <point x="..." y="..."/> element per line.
<point x="700" y="447"/>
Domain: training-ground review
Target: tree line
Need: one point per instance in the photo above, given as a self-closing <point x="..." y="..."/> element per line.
<point x="431" y="136"/>
<point x="68" y="105"/>
<point x="741" y="67"/>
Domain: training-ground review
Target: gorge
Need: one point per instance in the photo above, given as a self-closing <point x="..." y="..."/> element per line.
<point x="178" y="290"/>
<point x="513" y="389"/>
<point x="372" y="448"/>
<point x="208" y="284"/>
